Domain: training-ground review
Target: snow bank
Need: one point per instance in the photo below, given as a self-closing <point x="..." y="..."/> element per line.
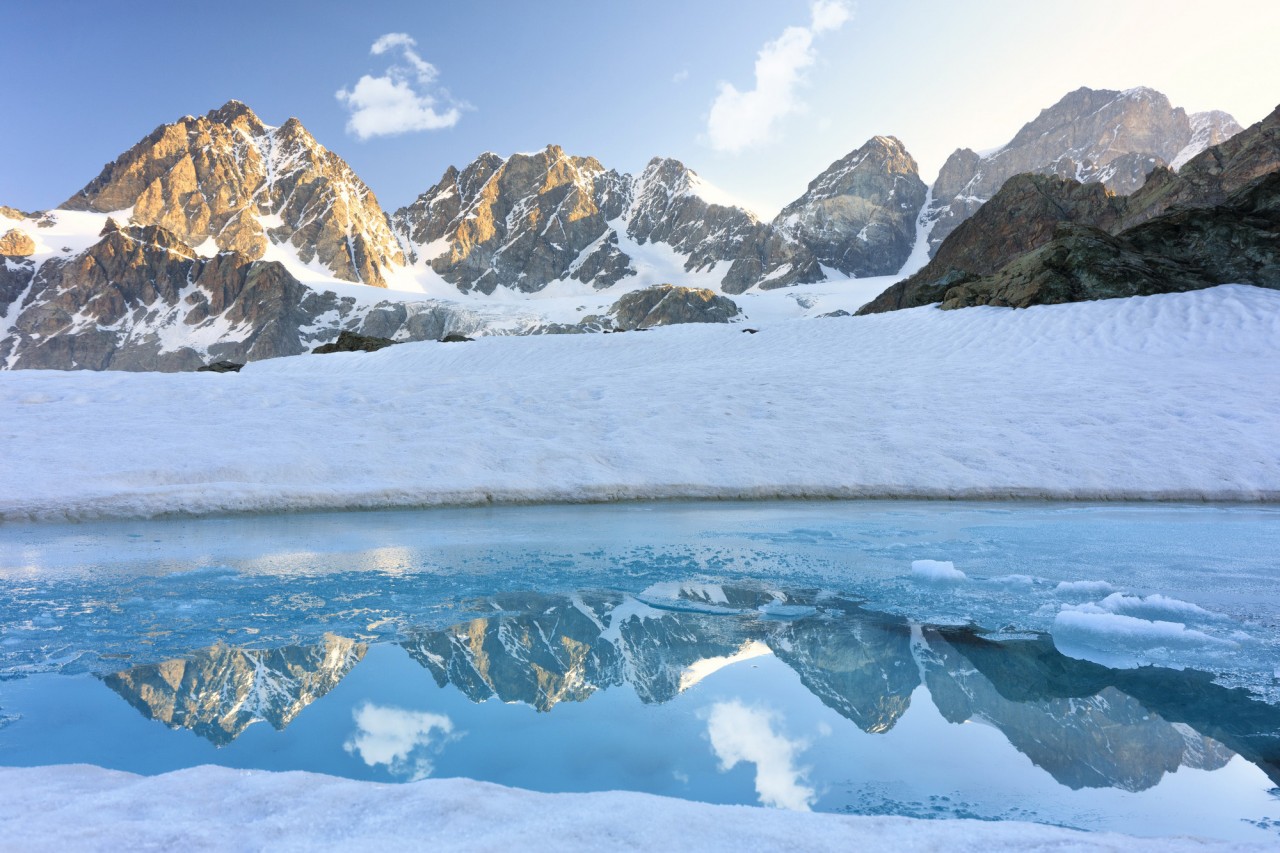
<point x="214" y="808"/>
<point x="943" y="571"/>
<point x="1163" y="397"/>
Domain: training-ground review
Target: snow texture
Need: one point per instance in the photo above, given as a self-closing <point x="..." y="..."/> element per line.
<point x="1164" y="397"/>
<point x="87" y="808"/>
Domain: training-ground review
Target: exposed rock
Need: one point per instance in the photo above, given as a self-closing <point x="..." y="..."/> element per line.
<point x="666" y="304"/>
<point x="17" y="243"/>
<point x="1024" y="214"/>
<point x="1186" y="249"/>
<point x="520" y="222"/>
<point x="229" y="178"/>
<point x="14" y="213"/>
<point x="220" y="367"/>
<point x="133" y="299"/>
<point x="455" y="339"/>
<point x="859" y="216"/>
<point x="1230" y="241"/>
<point x="351" y="342"/>
<point x="1114" y="138"/>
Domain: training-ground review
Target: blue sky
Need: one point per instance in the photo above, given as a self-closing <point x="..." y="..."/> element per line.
<point x="621" y="81"/>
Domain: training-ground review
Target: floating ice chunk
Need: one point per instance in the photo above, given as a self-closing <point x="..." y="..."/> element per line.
<point x="1091" y="587"/>
<point x="1112" y="639"/>
<point x="778" y="610"/>
<point x="1154" y="607"/>
<point x="937" y="570"/>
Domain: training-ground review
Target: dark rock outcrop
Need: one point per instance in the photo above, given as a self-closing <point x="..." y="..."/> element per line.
<point x="351" y="342"/>
<point x="220" y="367"/>
<point x="666" y="304"/>
<point x="1213" y="222"/>
<point x="1186" y="249"/>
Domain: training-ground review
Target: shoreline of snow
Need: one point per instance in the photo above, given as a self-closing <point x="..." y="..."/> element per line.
<point x="1170" y="398"/>
<point x="217" y="503"/>
<point x="84" y="807"/>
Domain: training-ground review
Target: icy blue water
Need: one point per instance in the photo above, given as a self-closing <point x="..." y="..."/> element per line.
<point x="1100" y="667"/>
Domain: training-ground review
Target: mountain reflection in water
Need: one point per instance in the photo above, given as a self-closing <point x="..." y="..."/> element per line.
<point x="1087" y="725"/>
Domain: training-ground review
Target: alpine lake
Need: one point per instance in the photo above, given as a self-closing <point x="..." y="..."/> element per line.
<point x="1111" y="667"/>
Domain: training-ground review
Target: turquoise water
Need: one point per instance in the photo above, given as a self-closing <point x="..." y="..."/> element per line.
<point x="1094" y="666"/>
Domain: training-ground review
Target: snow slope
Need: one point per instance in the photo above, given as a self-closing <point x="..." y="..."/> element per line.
<point x="86" y="808"/>
<point x="1171" y="396"/>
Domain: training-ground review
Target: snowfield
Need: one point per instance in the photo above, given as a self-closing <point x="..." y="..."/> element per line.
<point x="214" y="808"/>
<point x="1164" y="397"/>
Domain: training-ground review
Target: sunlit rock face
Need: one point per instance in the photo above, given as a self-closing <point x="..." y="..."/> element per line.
<point x="226" y="177"/>
<point x="16" y="243"/>
<point x="217" y="692"/>
<point x="859" y="216"/>
<point x="1092" y="136"/>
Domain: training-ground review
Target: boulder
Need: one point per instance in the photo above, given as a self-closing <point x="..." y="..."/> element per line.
<point x="667" y="304"/>
<point x="17" y="243"/>
<point x="351" y="342"/>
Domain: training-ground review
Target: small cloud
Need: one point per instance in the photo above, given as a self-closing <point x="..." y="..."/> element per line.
<point x="398" y="738"/>
<point x="680" y="76"/>
<point x="739" y="733"/>
<point x="740" y="120"/>
<point x="404" y="99"/>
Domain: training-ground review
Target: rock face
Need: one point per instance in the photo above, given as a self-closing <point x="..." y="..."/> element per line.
<point x="218" y="692"/>
<point x="859" y="216"/>
<point x="142" y="299"/>
<point x="666" y="305"/>
<point x="521" y="223"/>
<point x="227" y="178"/>
<point x="532" y="219"/>
<point x="1185" y="249"/>
<point x="1044" y="240"/>
<point x="16" y="243"/>
<point x="1108" y="137"/>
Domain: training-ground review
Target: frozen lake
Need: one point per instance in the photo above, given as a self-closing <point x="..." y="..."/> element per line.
<point x="1101" y="667"/>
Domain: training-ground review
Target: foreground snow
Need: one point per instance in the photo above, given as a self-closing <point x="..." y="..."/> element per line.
<point x="88" y="808"/>
<point x="1174" y="396"/>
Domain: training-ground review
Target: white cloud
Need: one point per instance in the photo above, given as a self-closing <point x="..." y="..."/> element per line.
<point x="739" y="733"/>
<point x="740" y="120"/>
<point x="397" y="738"/>
<point x="404" y="99"/>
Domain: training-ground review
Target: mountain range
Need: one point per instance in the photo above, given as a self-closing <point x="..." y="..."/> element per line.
<point x="220" y="237"/>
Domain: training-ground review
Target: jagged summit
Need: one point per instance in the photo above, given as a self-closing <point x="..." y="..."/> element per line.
<point x="859" y="216"/>
<point x="227" y="181"/>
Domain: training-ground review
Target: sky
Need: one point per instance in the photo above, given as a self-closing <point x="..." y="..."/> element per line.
<point x="757" y="97"/>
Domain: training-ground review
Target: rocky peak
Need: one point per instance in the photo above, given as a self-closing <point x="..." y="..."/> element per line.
<point x="521" y="222"/>
<point x="859" y="215"/>
<point x="1110" y="137"/>
<point x="229" y="179"/>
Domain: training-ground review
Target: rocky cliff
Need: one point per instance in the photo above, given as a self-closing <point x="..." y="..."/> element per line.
<point x="141" y="299"/>
<point x="227" y="180"/>
<point x="1108" y="137"/>
<point x="859" y="216"/>
<point x="1043" y="239"/>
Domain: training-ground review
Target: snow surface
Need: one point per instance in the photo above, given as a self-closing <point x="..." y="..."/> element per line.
<point x="1174" y="396"/>
<point x="214" y="808"/>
